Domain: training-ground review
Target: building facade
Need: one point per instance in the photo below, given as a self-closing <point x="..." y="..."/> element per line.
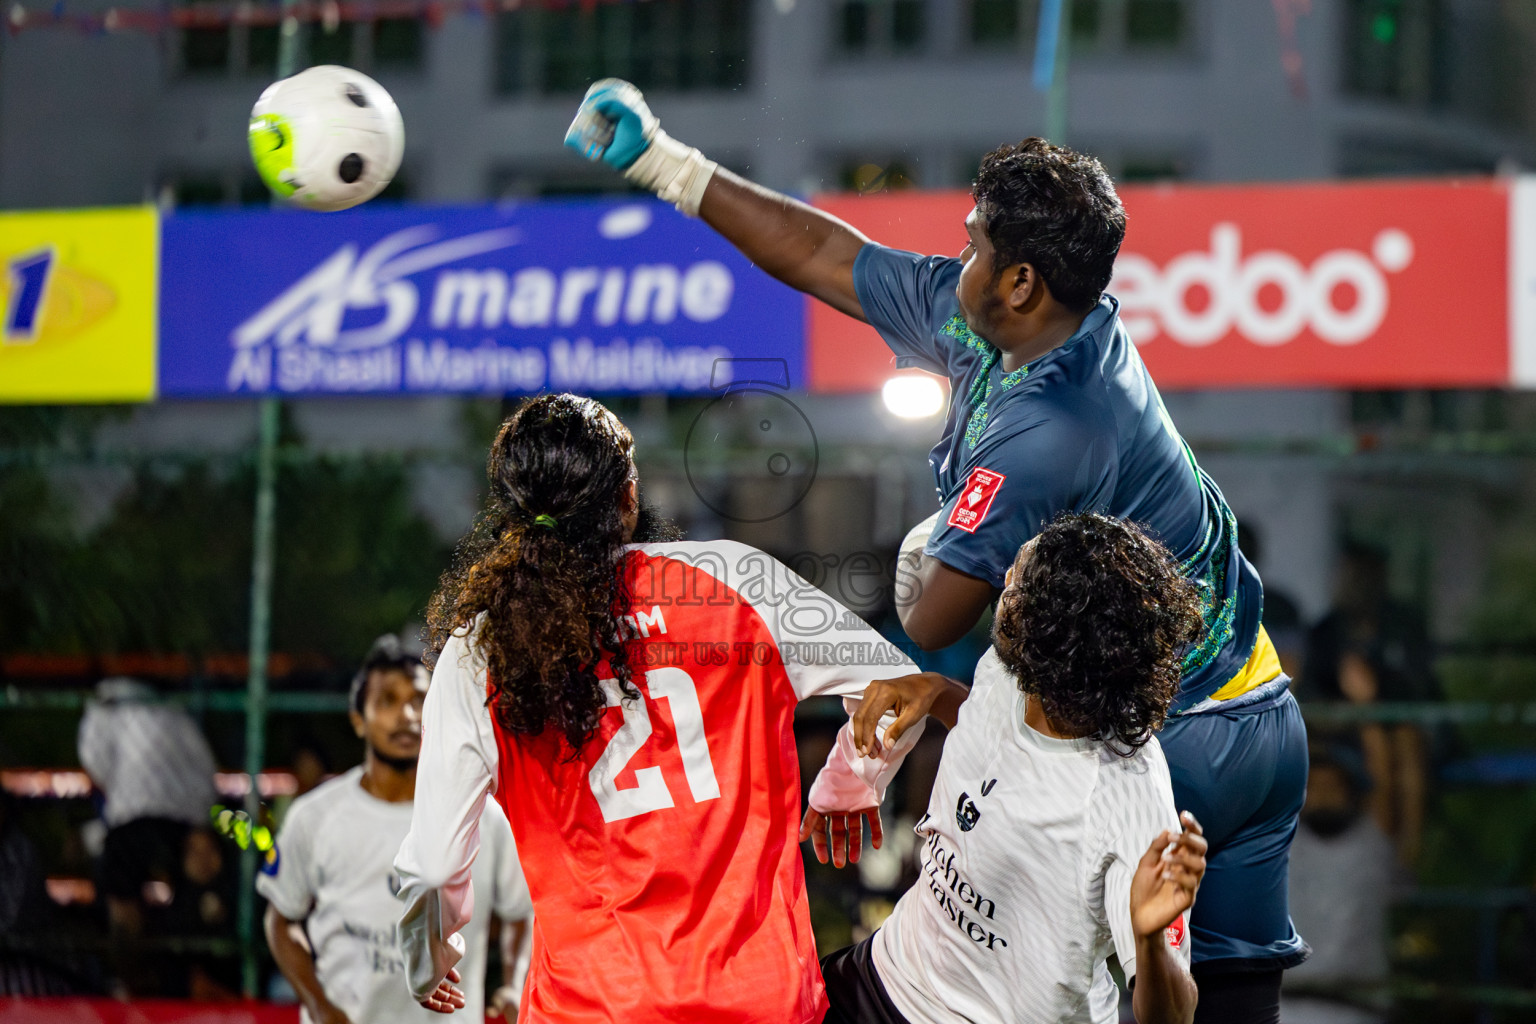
<point x="803" y="95"/>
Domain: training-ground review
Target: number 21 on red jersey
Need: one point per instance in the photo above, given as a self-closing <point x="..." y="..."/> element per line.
<point x="650" y="793"/>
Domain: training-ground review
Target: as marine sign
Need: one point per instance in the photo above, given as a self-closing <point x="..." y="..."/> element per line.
<point x="599" y="297"/>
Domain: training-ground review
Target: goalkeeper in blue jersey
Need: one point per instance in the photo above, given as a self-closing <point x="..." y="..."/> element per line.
<point x="1052" y="411"/>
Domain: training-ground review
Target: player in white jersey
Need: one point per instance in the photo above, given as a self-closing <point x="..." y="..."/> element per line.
<point x="334" y="872"/>
<point x="1035" y="860"/>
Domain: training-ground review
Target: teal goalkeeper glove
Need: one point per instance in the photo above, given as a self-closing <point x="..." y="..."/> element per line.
<point x="613" y="125"/>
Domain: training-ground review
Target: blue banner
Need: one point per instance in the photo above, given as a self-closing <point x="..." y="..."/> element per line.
<point x="587" y="296"/>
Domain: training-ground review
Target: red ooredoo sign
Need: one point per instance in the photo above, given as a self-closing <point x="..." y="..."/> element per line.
<point x="1322" y="285"/>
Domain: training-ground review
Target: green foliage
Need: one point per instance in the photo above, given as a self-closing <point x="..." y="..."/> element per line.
<point x="1484" y="836"/>
<point x="354" y="559"/>
<point x="169" y="570"/>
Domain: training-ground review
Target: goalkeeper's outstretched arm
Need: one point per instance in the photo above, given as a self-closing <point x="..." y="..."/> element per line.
<point x="806" y="249"/>
<point x="801" y="246"/>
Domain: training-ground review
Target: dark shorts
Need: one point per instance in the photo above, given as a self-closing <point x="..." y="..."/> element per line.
<point x="854" y="989"/>
<point x="1238" y="997"/>
<point x="142" y="850"/>
<point x="1243" y="774"/>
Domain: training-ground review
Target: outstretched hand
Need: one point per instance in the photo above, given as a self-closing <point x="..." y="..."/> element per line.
<point x="445" y="998"/>
<point x="911" y="697"/>
<point x="840" y="835"/>
<point x="613" y="124"/>
<point x="1167" y="878"/>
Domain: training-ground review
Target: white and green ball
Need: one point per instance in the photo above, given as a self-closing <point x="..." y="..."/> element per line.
<point x="326" y="139"/>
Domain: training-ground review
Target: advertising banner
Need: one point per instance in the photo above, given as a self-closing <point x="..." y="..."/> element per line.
<point x="589" y="296"/>
<point x="1522" y="282"/>
<point x="1372" y="285"/>
<point x="142" y="1011"/>
<point x="78" y="299"/>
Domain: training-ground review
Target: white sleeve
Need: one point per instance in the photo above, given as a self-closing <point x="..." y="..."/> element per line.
<point x="96" y="745"/>
<point x="1135" y="815"/>
<point x="456" y="771"/>
<point x="1117" y="897"/>
<point x="828" y="650"/>
<point x="511" y="901"/>
<point x="288" y="884"/>
<point x="850" y="781"/>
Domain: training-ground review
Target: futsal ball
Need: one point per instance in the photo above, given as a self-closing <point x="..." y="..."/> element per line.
<point x="327" y="138"/>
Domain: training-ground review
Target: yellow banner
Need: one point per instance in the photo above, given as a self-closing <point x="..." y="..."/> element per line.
<point x="78" y="292"/>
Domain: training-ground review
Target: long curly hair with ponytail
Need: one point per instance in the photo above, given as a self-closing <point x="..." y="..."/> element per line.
<point x="542" y="566"/>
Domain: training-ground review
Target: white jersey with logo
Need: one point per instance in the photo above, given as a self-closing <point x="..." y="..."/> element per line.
<point x="335" y="872"/>
<point x="1026" y="857"/>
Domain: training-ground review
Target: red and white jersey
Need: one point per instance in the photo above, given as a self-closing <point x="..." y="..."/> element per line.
<point x="662" y="857"/>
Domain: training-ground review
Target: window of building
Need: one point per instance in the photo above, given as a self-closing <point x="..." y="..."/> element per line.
<point x="1396" y="49"/>
<point x="513" y="180"/>
<point x="213" y="188"/>
<point x="1096" y="25"/>
<point x="1003" y="22"/>
<point x="880" y="26"/>
<point x="205" y="50"/>
<point x="1154" y="24"/>
<point x="261" y="50"/>
<point x="330" y="44"/>
<point x="239" y="187"/>
<point x="662" y="44"/>
<point x="384" y="44"/>
<point x="517" y="182"/>
<point x="1126" y="163"/>
<point x="398" y="43"/>
<point x="1370" y="156"/>
<point x="1143" y="167"/>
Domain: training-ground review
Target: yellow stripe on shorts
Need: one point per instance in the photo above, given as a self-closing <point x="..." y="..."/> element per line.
<point x="1263" y="665"/>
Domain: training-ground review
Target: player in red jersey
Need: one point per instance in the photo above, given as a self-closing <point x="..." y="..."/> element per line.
<point x="630" y="705"/>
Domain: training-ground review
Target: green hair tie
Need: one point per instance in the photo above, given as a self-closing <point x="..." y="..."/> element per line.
<point x="545" y="520"/>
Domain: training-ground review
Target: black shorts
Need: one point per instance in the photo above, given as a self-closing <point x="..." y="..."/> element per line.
<point x="854" y="989"/>
<point x="1226" y="997"/>
<point x="1237" y="996"/>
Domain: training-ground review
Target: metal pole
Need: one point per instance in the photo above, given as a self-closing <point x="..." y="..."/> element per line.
<point x="1056" y="103"/>
<point x="262" y="559"/>
<point x="256" y="680"/>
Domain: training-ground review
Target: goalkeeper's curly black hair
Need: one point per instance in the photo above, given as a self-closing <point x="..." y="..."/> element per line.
<point x="1055" y="209"/>
<point x="1093" y="623"/>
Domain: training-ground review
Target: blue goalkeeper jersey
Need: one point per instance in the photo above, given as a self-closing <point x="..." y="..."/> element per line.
<point x="1080" y="429"/>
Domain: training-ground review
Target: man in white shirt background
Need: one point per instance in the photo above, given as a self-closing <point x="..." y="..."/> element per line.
<point x="332" y="889"/>
<point x="155" y="772"/>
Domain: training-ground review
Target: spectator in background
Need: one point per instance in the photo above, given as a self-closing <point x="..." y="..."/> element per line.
<point x="24" y="907"/>
<point x="155" y="771"/>
<point x="1341" y="880"/>
<point x="1370" y="649"/>
<point x="310" y="765"/>
<point x="202" y="906"/>
<point x="331" y="922"/>
<point x="1282" y="616"/>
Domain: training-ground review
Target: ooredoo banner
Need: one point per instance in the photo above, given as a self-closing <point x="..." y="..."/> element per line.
<point x="589" y="296"/>
<point x="1320" y="285"/>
